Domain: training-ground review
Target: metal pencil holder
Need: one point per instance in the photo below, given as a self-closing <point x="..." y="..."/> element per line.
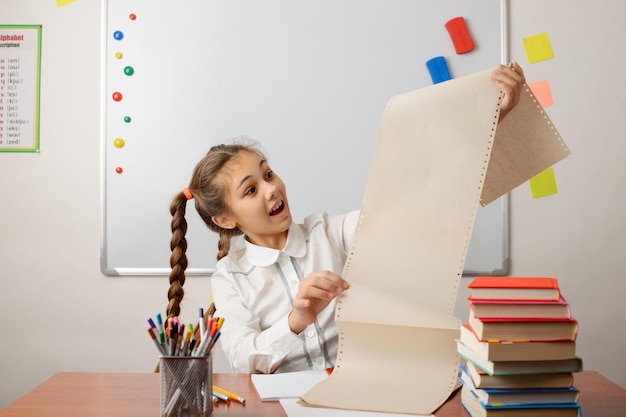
<point x="186" y="386"/>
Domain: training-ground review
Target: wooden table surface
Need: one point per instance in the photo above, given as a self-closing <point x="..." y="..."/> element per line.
<point x="100" y="394"/>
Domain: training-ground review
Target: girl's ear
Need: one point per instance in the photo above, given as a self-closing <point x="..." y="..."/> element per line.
<point x="224" y="221"/>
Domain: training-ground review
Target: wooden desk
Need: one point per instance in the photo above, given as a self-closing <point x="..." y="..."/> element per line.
<point x="97" y="394"/>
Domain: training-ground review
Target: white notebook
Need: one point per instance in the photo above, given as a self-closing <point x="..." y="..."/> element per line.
<point x="286" y="385"/>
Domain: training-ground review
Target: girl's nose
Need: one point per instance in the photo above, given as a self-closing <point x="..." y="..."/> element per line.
<point x="270" y="191"/>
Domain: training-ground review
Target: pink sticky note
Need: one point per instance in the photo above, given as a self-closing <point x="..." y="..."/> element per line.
<point x="542" y="91"/>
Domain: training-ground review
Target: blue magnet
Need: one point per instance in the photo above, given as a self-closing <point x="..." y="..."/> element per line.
<point x="118" y="35"/>
<point x="438" y="69"/>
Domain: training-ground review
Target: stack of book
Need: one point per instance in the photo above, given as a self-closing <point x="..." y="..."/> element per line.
<point x="519" y="349"/>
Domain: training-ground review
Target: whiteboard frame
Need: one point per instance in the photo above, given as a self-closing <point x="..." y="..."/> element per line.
<point x="122" y="271"/>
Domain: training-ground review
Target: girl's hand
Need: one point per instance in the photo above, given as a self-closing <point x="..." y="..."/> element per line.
<point x="315" y="292"/>
<point x="510" y="79"/>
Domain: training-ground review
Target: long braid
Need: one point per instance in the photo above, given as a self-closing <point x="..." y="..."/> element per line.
<point x="178" y="258"/>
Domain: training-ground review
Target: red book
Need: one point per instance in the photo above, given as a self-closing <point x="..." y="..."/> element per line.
<point x="535" y="330"/>
<point x="514" y="288"/>
<point x="520" y="308"/>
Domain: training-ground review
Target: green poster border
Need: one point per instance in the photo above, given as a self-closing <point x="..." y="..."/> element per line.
<point x="36" y="147"/>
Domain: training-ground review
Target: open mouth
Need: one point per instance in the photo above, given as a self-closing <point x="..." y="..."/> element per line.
<point x="278" y="208"/>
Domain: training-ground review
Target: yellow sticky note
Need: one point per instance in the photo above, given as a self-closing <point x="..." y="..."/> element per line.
<point x="543" y="184"/>
<point x="61" y="3"/>
<point x="538" y="48"/>
<point x="542" y="92"/>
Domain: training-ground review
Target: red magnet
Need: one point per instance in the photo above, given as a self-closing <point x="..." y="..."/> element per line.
<point x="119" y="170"/>
<point x="132" y="16"/>
<point x="459" y="34"/>
<point x="117" y="96"/>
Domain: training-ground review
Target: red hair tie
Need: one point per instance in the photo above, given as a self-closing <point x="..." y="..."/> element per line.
<point x="187" y="193"/>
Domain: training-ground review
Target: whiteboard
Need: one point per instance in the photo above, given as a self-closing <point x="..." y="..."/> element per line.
<point x="308" y="79"/>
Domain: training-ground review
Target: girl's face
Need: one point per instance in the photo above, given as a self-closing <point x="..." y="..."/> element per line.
<point x="257" y="200"/>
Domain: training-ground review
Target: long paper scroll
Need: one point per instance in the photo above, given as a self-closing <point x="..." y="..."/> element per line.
<point x="433" y="165"/>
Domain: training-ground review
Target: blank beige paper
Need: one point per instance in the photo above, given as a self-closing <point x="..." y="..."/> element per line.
<point x="434" y="152"/>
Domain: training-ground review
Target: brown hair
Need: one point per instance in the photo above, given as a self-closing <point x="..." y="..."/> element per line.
<point x="209" y="196"/>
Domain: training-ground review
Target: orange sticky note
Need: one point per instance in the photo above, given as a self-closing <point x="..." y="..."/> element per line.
<point x="543" y="184"/>
<point x="61" y="3"/>
<point x="542" y="92"/>
<point x="538" y="48"/>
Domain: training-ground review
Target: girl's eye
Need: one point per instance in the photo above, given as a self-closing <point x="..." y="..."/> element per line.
<point x="269" y="175"/>
<point x="250" y="190"/>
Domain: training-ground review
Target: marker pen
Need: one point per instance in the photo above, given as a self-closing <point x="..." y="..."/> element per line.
<point x="153" y="326"/>
<point x="185" y="346"/>
<point x="168" y="326"/>
<point x="159" y="322"/>
<point x="162" y="342"/>
<point x="212" y="343"/>
<point x="214" y="329"/>
<point x="192" y="345"/>
<point x="202" y="347"/>
<point x="154" y="339"/>
<point x="201" y="323"/>
<point x="173" y="337"/>
<point x="180" y="341"/>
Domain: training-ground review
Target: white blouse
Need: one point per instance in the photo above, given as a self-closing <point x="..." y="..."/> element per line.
<point x="254" y="287"/>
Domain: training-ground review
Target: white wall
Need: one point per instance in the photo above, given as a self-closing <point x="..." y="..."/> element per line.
<point x="579" y="235"/>
<point x="61" y="314"/>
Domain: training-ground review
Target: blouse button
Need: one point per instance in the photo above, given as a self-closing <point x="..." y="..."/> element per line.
<point x="310" y="333"/>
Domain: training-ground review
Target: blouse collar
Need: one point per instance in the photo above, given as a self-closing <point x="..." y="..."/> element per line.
<point x="295" y="247"/>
